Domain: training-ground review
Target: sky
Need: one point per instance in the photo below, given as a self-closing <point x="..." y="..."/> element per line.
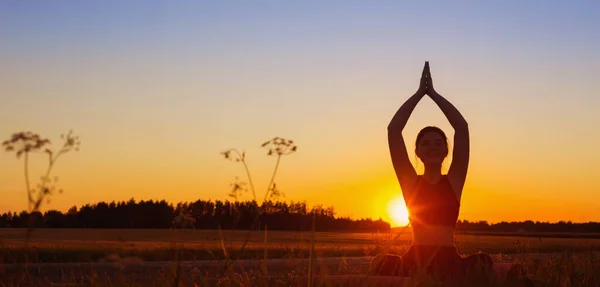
<point x="157" y="89"/>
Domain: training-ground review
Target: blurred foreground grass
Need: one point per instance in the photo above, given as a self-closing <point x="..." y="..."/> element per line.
<point x="548" y="261"/>
<point x="85" y="245"/>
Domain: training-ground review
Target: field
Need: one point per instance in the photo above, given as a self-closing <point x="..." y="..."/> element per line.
<point x="85" y="245"/>
<point x="130" y="257"/>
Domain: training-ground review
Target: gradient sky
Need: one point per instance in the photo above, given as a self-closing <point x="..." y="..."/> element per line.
<point x="157" y="89"/>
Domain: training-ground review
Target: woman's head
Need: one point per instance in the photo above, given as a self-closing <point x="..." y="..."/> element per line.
<point x="431" y="145"/>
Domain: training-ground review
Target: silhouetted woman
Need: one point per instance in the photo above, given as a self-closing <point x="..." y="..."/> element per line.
<point x="433" y="198"/>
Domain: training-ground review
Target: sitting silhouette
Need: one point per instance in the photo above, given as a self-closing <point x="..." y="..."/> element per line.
<point x="433" y="199"/>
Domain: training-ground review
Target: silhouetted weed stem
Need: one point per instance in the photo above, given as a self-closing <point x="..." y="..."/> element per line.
<point x="311" y="262"/>
<point x="241" y="157"/>
<point x="25" y="143"/>
<point x="277" y="147"/>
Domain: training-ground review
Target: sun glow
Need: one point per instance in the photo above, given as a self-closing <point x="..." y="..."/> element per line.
<point x="398" y="212"/>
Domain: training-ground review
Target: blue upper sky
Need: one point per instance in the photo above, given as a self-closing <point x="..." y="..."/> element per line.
<point x="182" y="80"/>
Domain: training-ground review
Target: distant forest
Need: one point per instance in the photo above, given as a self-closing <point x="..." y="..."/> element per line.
<point x="278" y="215"/>
<point x="201" y="214"/>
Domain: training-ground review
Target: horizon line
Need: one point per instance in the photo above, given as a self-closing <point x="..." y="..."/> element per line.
<point x="64" y="211"/>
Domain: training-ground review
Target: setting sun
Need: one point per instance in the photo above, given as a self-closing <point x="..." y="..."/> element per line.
<point x="398" y="212"/>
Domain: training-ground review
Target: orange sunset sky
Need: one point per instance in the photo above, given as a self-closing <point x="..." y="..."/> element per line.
<point x="156" y="92"/>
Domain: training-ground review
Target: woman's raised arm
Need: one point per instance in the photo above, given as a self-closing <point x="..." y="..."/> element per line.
<point x="405" y="172"/>
<point x="457" y="173"/>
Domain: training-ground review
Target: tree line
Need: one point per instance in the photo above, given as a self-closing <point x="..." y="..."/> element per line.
<point x="275" y="215"/>
<point x="201" y="214"/>
<point x="529" y="226"/>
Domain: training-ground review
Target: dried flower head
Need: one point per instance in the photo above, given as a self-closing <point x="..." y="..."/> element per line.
<point x="25" y="142"/>
<point x="279" y="146"/>
<point x="237" y="188"/>
<point x="276" y="146"/>
<point x="274" y="193"/>
<point x="234" y="155"/>
<point x="71" y="142"/>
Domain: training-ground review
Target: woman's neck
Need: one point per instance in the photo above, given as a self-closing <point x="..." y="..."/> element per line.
<point x="433" y="173"/>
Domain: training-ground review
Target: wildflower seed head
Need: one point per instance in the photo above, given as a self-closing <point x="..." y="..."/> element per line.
<point x="279" y="146"/>
<point x="24" y="142"/>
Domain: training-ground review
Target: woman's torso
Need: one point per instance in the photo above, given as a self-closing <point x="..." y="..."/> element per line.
<point x="434" y="236"/>
<point x="433" y="209"/>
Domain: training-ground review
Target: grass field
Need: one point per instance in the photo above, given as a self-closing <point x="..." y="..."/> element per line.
<point x="548" y="260"/>
<point x="84" y="245"/>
